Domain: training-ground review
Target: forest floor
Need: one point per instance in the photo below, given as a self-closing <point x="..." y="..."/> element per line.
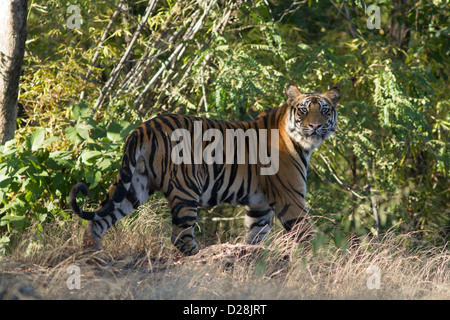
<point x="139" y="262"/>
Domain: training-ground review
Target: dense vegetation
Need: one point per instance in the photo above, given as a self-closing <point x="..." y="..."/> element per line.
<point x="84" y="89"/>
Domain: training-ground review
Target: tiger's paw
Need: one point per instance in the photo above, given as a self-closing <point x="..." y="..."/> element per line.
<point x="192" y="251"/>
<point x="188" y="248"/>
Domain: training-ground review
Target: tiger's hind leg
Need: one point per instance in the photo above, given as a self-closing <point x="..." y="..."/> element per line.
<point x="257" y="223"/>
<point x="137" y="194"/>
<point x="184" y="215"/>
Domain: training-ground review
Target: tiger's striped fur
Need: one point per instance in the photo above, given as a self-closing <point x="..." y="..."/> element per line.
<point x="303" y="122"/>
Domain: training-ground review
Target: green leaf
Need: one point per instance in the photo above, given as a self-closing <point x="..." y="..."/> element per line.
<point x="78" y="133"/>
<point x="21" y="170"/>
<point x="93" y="178"/>
<point x="4" y="183"/>
<point x="86" y="156"/>
<point x="113" y="133"/>
<point x="104" y="164"/>
<point x="127" y="130"/>
<point x="59" y="158"/>
<point x="71" y="134"/>
<point x="50" y="140"/>
<point x="37" y="138"/>
<point x="7" y="219"/>
<point x="81" y="110"/>
<point x="83" y="130"/>
<point x="8" y="148"/>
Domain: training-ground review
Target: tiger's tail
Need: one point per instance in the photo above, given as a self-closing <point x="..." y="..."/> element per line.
<point x="122" y="197"/>
<point x="107" y="207"/>
<point x="73" y="201"/>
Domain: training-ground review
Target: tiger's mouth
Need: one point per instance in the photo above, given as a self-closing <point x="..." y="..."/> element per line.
<point x="306" y="133"/>
<point x="306" y="138"/>
<point x="314" y="134"/>
<point x="315" y="137"/>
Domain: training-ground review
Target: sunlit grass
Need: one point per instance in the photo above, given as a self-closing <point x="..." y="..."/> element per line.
<point x="139" y="262"/>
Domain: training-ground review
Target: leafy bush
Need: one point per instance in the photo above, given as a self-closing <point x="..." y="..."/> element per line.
<point x="37" y="173"/>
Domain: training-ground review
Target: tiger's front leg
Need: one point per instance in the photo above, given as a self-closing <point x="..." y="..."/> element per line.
<point x="184" y="215"/>
<point x="295" y="219"/>
<point x="257" y="223"/>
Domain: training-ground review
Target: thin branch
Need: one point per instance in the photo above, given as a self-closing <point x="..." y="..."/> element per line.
<point x="222" y="219"/>
<point x="373" y="202"/>
<point x="189" y="35"/>
<point x="348" y="16"/>
<point x="270" y="10"/>
<point x="158" y="73"/>
<point x="351" y="27"/>
<point x="337" y="178"/>
<point x="115" y="73"/>
<point x="126" y="12"/>
<point x="291" y="9"/>
<point x="100" y="44"/>
<point x="137" y="74"/>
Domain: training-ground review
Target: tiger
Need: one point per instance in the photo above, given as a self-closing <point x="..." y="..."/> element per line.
<point x="148" y="164"/>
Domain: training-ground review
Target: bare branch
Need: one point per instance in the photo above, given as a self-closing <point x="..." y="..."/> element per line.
<point x="337" y="178"/>
<point x="189" y="35"/>
<point x="292" y="8"/>
<point x="100" y="44"/>
<point x="115" y="73"/>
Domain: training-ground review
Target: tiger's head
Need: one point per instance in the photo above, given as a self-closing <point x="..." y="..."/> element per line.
<point x="312" y="117"/>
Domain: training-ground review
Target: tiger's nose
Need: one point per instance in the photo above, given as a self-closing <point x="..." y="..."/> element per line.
<point x="315" y="126"/>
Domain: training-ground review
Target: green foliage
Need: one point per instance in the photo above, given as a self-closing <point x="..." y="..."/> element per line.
<point x="37" y="173"/>
<point x="387" y="167"/>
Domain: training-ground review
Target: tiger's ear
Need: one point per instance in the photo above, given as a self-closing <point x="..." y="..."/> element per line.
<point x="292" y="93"/>
<point x="333" y="94"/>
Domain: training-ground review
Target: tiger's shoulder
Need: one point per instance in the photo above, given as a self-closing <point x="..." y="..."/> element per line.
<point x="267" y="112"/>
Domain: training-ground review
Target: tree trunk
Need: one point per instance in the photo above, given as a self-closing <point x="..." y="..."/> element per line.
<point x="13" y="33"/>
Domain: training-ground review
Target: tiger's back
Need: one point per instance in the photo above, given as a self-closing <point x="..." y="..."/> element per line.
<point x="198" y="162"/>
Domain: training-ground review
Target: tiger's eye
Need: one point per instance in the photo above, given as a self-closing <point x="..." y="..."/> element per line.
<point x="325" y="109"/>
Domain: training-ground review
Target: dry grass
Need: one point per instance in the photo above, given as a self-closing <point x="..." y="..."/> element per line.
<point x="139" y="262"/>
